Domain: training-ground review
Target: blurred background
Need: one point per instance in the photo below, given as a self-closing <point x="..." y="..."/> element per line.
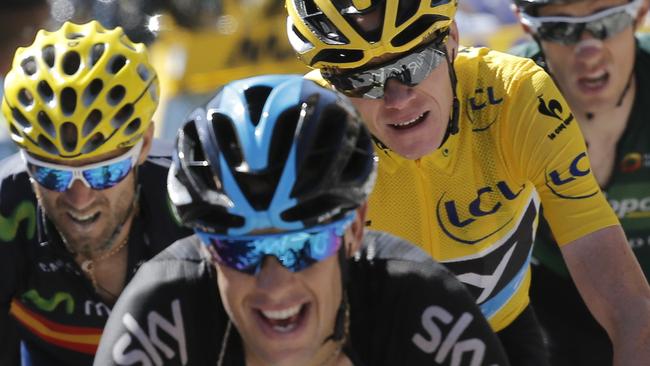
<point x="198" y="45"/>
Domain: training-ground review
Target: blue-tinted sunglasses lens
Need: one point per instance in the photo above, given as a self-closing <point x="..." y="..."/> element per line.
<point x="295" y="251"/>
<point x="107" y="176"/>
<point x="52" y="179"/>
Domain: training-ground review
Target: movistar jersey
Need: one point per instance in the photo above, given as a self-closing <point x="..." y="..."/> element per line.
<point x="473" y="203"/>
<point x="59" y="315"/>
<point x="405" y="309"/>
<point x="628" y="191"/>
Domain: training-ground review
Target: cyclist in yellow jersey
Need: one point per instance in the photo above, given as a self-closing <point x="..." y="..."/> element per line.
<point x="470" y="142"/>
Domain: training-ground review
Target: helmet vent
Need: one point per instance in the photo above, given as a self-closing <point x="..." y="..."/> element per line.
<point x="283" y="135"/>
<point x="255" y="99"/>
<point x="29" y="66"/>
<point x="46" y="123"/>
<point x="324" y="145"/>
<point x="133" y="126"/>
<point x="407" y="9"/>
<point x="71" y="63"/>
<point x="20" y="118"/>
<point x="96" y="53"/>
<point x="116" y="94"/>
<point x="227" y="140"/>
<point x="91" y="122"/>
<point x="74" y="35"/>
<point x="69" y="135"/>
<point x="92" y="91"/>
<point x="45" y="91"/>
<point x="14" y="131"/>
<point x="68" y="101"/>
<point x="93" y="143"/>
<point x="416" y="29"/>
<point x="143" y="72"/>
<point x="25" y="97"/>
<point x="357" y="167"/>
<point x="116" y="64"/>
<point x="49" y="54"/>
<point x="339" y="56"/>
<point x="122" y="116"/>
<point x="47" y="145"/>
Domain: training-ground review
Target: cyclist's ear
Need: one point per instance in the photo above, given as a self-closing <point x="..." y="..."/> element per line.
<point x="452" y="42"/>
<point x="146" y="145"/>
<point x="515" y="9"/>
<point x="354" y="233"/>
<point x="640" y="17"/>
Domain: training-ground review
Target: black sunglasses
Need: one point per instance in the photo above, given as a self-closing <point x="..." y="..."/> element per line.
<point x="410" y="69"/>
<point x="568" y="30"/>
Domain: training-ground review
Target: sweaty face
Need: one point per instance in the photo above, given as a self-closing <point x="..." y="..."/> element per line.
<point x="87" y="218"/>
<point x="593" y="73"/>
<point x="282" y="316"/>
<point x="412" y="120"/>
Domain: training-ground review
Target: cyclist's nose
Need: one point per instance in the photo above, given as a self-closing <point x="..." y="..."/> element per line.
<point x="589" y="48"/>
<point x="273" y="278"/>
<point x="396" y="94"/>
<point x="79" y="195"/>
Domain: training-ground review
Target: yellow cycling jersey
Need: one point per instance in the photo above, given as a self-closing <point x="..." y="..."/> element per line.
<point x="473" y="203"/>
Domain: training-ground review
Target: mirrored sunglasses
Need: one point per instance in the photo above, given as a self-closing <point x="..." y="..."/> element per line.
<point x="568" y="30"/>
<point x="98" y="176"/>
<point x="410" y="69"/>
<point x="295" y="250"/>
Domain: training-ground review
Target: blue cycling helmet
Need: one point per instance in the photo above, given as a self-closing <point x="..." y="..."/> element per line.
<point x="271" y="152"/>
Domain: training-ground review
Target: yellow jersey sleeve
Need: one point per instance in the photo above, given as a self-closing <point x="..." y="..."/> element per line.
<point x="545" y="145"/>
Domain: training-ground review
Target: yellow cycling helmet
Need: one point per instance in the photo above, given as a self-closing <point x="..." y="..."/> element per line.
<point x="324" y="33"/>
<point x="79" y="92"/>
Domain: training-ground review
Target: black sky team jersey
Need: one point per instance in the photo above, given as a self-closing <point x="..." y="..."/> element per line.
<point x="405" y="310"/>
<point x="58" y="314"/>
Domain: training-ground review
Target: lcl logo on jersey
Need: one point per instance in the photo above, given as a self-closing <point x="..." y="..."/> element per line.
<point x="554" y="109"/>
<point x="557" y="180"/>
<point x="475" y="210"/>
<point x="481" y="118"/>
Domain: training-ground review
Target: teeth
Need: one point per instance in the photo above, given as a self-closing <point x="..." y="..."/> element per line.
<point x="82" y="218"/>
<point x="282" y="314"/>
<point x="401" y="124"/>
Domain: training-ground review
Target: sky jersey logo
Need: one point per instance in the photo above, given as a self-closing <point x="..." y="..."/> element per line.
<point x="150" y="343"/>
<point x="448" y="348"/>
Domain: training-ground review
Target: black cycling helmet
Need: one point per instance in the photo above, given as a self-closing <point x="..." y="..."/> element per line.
<point x="270" y="152"/>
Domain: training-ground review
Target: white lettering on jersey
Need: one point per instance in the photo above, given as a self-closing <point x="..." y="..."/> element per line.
<point x="449" y="344"/>
<point x="100" y="308"/>
<point x="151" y="342"/>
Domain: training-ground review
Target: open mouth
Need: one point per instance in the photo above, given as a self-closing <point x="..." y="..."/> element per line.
<point x="410" y="124"/>
<point x="286" y="320"/>
<point x="84" y="219"/>
<point x="594" y="83"/>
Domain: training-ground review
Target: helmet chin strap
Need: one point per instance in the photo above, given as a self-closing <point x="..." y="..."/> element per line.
<point x="342" y="316"/>
<point x="452" y="127"/>
<point x="628" y="85"/>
